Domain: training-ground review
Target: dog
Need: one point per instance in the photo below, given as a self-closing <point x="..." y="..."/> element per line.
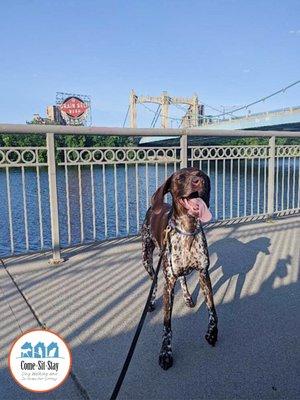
<point x="177" y="232"/>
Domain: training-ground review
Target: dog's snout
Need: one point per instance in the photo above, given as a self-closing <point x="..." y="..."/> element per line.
<point x="195" y="180"/>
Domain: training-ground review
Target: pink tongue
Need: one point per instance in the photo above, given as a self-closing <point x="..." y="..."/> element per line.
<point x="198" y="209"/>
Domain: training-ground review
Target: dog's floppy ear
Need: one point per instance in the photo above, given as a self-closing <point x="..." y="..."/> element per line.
<point x="158" y="197"/>
<point x="206" y="192"/>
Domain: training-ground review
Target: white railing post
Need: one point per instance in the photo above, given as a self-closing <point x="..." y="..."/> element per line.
<point x="53" y="200"/>
<point x="271" y="177"/>
<point x="184" y="150"/>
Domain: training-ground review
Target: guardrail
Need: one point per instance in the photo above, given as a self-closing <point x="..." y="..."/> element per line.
<point x="53" y="197"/>
<point x="232" y="118"/>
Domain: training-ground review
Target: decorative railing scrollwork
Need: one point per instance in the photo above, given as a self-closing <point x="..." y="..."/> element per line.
<point x="288" y="151"/>
<point x="228" y="152"/>
<point x="23" y="156"/>
<point x="117" y="155"/>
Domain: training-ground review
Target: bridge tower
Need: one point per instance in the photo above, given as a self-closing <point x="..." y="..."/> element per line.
<point x="190" y="119"/>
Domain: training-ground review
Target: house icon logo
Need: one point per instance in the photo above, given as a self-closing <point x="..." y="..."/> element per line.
<point x="39" y="360"/>
<point x="40" y="350"/>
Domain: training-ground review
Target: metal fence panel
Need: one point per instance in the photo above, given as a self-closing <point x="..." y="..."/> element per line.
<point x="104" y="192"/>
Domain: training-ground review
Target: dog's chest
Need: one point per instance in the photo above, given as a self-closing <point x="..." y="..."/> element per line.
<point x="187" y="253"/>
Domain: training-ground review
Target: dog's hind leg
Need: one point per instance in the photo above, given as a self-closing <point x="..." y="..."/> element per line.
<point x="148" y="247"/>
<point x="212" y="330"/>
<point x="186" y="294"/>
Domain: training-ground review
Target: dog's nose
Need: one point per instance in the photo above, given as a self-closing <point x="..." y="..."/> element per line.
<point x="195" y="180"/>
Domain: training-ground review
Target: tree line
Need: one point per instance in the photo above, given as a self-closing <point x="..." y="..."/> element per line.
<point x="34" y="140"/>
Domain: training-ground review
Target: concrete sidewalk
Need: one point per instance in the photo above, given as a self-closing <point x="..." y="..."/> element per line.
<point x="95" y="299"/>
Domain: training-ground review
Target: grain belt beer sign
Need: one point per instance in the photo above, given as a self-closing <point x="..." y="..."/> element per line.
<point x="73" y="107"/>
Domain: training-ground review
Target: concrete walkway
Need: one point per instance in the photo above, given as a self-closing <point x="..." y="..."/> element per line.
<point x="95" y="299"/>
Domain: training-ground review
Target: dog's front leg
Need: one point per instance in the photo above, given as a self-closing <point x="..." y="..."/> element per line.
<point x="186" y="294"/>
<point x="148" y="247"/>
<point x="212" y="330"/>
<point x="165" y="356"/>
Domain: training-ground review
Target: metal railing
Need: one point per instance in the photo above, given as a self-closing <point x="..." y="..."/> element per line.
<point x="53" y="197"/>
<point x="232" y="118"/>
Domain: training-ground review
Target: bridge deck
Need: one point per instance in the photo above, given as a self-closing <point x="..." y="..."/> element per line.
<point x="95" y="300"/>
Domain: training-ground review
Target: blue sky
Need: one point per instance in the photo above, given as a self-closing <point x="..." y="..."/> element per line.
<point x="228" y="52"/>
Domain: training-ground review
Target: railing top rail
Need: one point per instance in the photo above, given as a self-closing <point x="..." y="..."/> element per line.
<point x="115" y="131"/>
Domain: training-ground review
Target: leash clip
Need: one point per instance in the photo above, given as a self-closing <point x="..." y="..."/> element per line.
<point x="166" y="235"/>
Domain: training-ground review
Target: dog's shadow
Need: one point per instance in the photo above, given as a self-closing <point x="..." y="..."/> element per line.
<point x="234" y="258"/>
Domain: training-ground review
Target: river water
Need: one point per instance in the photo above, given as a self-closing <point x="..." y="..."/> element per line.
<point x="228" y="185"/>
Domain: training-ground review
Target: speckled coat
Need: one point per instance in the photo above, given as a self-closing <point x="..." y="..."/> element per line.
<point x="185" y="253"/>
<point x="185" y="250"/>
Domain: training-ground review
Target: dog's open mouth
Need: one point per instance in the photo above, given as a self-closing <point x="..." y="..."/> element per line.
<point x="193" y="195"/>
<point x="196" y="207"/>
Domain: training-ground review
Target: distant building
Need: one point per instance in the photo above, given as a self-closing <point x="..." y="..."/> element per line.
<point x="70" y="109"/>
<point x="54" y="115"/>
<point x="188" y="120"/>
<point x="37" y="119"/>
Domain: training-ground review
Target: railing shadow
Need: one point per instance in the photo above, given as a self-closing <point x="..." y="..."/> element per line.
<point x="95" y="301"/>
<point x="251" y="360"/>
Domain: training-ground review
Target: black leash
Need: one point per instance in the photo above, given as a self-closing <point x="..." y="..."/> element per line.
<point x="137" y="333"/>
<point x="43" y="326"/>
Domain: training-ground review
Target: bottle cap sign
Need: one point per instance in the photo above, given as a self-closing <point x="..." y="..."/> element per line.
<point x="74" y="107"/>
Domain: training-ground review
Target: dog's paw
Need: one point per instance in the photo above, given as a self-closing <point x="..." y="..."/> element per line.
<point x="165" y="360"/>
<point x="151" y="307"/>
<point x="212" y="336"/>
<point x="189" y="302"/>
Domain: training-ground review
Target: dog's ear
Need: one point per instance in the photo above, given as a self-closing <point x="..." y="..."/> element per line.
<point x="157" y="199"/>
<point x="206" y="191"/>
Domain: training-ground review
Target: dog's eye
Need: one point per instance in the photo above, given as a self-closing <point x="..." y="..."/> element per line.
<point x="181" y="178"/>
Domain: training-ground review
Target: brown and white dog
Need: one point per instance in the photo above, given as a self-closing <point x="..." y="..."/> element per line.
<point x="185" y="249"/>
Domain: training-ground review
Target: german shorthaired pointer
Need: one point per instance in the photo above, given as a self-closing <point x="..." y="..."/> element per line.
<point x="177" y="231"/>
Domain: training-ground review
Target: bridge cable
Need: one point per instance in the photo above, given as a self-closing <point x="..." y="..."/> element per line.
<point x="156" y="118"/>
<point x="171" y="118"/>
<point x="153" y="122"/>
<point x="213" y="108"/>
<point x="199" y="116"/>
<point x="262" y="99"/>
<point x="201" y="103"/>
<point x="149" y="109"/>
<point x="126" y="116"/>
<point x="180" y="107"/>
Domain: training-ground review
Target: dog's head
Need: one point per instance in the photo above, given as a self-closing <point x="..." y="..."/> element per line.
<point x="184" y="185"/>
